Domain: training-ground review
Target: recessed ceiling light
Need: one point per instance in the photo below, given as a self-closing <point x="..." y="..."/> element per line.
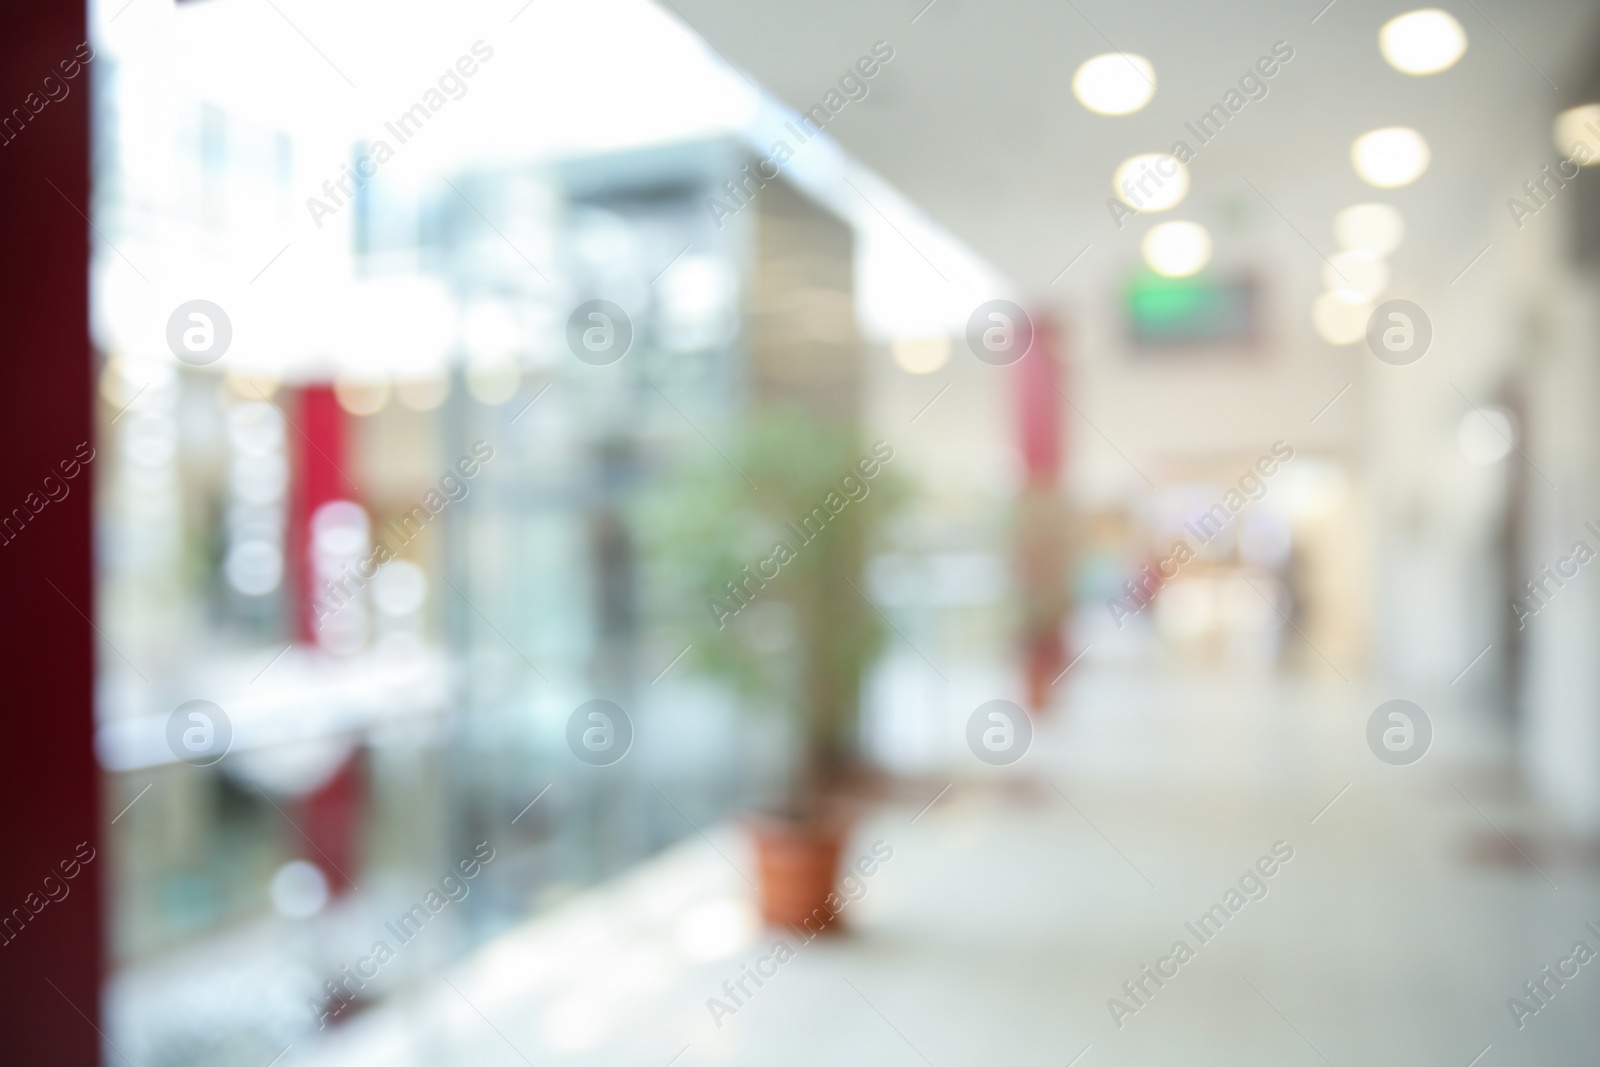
<point x="493" y="380"/>
<point x="1390" y="157"/>
<point x="920" y="355"/>
<point x="1177" y="249"/>
<point x="1340" y="319"/>
<point x="1422" y="42"/>
<point x="361" y="394"/>
<point x="1357" y="275"/>
<point x="1151" y="182"/>
<point x="1579" y="125"/>
<point x="1372" y="228"/>
<point x="424" y="391"/>
<point x="1117" y="83"/>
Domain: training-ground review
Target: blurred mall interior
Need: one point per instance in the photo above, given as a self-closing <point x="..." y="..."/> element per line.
<point x="578" y="486"/>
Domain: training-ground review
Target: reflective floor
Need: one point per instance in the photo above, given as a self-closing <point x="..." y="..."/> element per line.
<point x="1404" y="906"/>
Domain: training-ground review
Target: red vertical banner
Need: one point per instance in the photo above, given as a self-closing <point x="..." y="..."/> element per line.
<point x="1041" y="543"/>
<point x="319" y="466"/>
<point x="330" y="814"/>
<point x="1039" y="401"/>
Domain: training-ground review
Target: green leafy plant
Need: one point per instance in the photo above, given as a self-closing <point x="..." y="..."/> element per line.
<point x="758" y="553"/>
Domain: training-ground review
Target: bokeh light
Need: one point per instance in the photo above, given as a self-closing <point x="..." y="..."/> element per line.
<point x="1154" y="181"/>
<point x="1116" y="83"/>
<point x="1176" y="249"/>
<point x="1376" y="229"/>
<point x="1426" y="41"/>
<point x="1390" y="157"/>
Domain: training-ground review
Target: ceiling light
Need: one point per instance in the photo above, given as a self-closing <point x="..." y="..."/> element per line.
<point x="1177" y="249"/>
<point x="1116" y="83"/>
<point x="1372" y="228"/>
<point x="360" y="394"/>
<point x="1422" y="42"/>
<point x="1579" y="125"/>
<point x="425" y="391"/>
<point x="1338" y="319"/>
<point x="493" y="381"/>
<point x="1151" y="182"/>
<point x="920" y="355"/>
<point x="1486" y="435"/>
<point x="1358" y="275"/>
<point x="1390" y="157"/>
<point x="253" y="385"/>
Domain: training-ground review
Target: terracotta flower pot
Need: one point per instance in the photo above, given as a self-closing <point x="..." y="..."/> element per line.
<point x="798" y="865"/>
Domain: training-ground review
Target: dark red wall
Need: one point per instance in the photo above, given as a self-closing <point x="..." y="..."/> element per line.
<point x="49" y="793"/>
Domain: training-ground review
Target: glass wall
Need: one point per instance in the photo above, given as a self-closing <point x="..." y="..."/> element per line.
<point x="357" y="596"/>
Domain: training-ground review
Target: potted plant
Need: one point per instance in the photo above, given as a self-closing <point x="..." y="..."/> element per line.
<point x="759" y="550"/>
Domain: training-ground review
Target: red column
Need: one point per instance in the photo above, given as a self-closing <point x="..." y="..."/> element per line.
<point x="320" y="463"/>
<point x="1039" y="403"/>
<point x="1041" y="523"/>
<point x="52" y="965"/>
<point x="330" y="814"/>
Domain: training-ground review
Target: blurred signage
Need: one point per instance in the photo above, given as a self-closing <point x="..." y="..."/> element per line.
<point x="1199" y="310"/>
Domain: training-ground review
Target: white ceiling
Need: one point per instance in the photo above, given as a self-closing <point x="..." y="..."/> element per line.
<point x="974" y="119"/>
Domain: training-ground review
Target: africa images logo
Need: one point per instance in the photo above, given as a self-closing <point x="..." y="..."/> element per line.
<point x="199" y="332"/>
<point x="999" y="732"/>
<point x="599" y="733"/>
<point x="1399" y="732"/>
<point x="199" y="733"/>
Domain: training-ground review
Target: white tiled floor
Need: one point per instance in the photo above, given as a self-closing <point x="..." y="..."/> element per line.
<point x="1020" y="902"/>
